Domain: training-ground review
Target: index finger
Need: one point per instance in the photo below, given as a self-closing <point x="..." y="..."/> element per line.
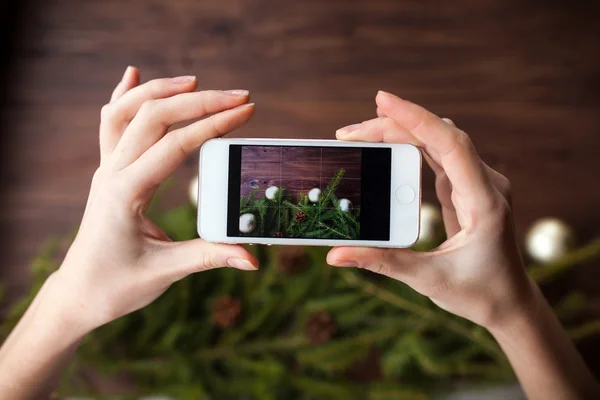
<point x="447" y="145"/>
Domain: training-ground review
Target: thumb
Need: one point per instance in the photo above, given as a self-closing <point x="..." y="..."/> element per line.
<point x="176" y="260"/>
<point x="400" y="264"/>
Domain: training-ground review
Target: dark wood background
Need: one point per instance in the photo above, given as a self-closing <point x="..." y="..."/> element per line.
<point x="300" y="169"/>
<point x="522" y="77"/>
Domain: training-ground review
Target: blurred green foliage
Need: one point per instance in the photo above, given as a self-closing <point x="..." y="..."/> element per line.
<point x="389" y="342"/>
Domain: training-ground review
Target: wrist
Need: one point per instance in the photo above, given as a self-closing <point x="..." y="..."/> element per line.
<point x="59" y="310"/>
<point x="524" y="313"/>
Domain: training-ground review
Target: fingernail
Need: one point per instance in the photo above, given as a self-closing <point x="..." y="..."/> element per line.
<point x="241" y="263"/>
<point x="236" y="92"/>
<point x="344" y="263"/>
<point x="381" y="92"/>
<point x="348" y="129"/>
<point x="183" y="79"/>
<point x="243" y="106"/>
<point x="128" y="70"/>
<point x="448" y="121"/>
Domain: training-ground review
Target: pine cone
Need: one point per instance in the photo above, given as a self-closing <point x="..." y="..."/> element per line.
<point x="292" y="260"/>
<point x="300" y="217"/>
<point x="225" y="311"/>
<point x="320" y="327"/>
<point x="278" y="234"/>
<point x="367" y="370"/>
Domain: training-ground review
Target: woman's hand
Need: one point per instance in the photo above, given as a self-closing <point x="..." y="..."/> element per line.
<point x="477" y="273"/>
<point x="121" y="261"/>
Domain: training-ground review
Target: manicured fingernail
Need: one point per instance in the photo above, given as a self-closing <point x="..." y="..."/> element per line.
<point x="128" y="71"/>
<point x="183" y="79"/>
<point x="448" y="121"/>
<point x="237" y="92"/>
<point x="241" y="263"/>
<point x="348" y="129"/>
<point x="343" y="263"/>
<point x="243" y="106"/>
<point x="381" y="92"/>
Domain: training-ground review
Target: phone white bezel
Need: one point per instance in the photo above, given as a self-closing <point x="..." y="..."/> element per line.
<point x="213" y="193"/>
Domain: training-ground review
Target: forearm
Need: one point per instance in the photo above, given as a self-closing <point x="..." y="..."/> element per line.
<point x="542" y="355"/>
<point x="35" y="354"/>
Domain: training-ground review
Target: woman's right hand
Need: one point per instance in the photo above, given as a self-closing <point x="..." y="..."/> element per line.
<point x="120" y="260"/>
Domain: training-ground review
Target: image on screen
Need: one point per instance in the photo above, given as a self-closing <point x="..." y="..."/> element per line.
<point x="299" y="192"/>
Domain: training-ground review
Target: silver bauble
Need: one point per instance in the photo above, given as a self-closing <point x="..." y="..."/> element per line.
<point x="431" y="225"/>
<point x="271" y="192"/>
<point x="193" y="191"/>
<point x="247" y="223"/>
<point x="345" y="205"/>
<point x="314" y="195"/>
<point x="548" y="240"/>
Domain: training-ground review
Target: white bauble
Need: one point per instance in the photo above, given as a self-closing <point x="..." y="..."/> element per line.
<point x="548" y="240"/>
<point x="271" y="192"/>
<point x="314" y="195"/>
<point x="193" y="191"/>
<point x="345" y="205"/>
<point x="431" y="225"/>
<point x="247" y="223"/>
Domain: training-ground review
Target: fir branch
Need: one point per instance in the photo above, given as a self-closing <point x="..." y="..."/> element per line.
<point x="488" y="345"/>
<point x="586" y="329"/>
<point x="331" y="188"/>
<point x="268" y="345"/>
<point x="544" y="273"/>
<point x="325" y="226"/>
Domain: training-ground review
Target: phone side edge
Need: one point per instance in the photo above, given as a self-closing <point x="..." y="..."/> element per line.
<point x="212" y="210"/>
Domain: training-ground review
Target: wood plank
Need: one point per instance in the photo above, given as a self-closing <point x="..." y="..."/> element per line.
<point x="520" y="77"/>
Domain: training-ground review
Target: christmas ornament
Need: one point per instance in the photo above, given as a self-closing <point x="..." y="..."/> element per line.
<point x="193" y="191"/>
<point x="431" y="225"/>
<point x="548" y="240"/>
<point x="314" y="195"/>
<point x="300" y="217"/>
<point x="320" y="327"/>
<point x="225" y="311"/>
<point x="292" y="260"/>
<point x="271" y="192"/>
<point x="247" y="223"/>
<point x="345" y="205"/>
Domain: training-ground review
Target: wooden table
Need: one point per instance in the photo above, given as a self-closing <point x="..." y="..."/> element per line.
<point x="520" y="76"/>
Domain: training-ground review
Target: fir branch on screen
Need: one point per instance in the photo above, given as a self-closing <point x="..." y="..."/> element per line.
<point x="328" y="192"/>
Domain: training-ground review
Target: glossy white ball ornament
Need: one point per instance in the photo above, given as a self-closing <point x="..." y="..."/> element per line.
<point x="431" y="225"/>
<point x="345" y="205"/>
<point x="548" y="240"/>
<point x="193" y="191"/>
<point x="271" y="192"/>
<point x="314" y="195"/>
<point x="247" y="223"/>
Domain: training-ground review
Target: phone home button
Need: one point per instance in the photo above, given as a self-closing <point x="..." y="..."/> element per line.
<point x="405" y="194"/>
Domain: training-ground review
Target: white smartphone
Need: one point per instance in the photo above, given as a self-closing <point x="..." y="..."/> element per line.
<point x="309" y="192"/>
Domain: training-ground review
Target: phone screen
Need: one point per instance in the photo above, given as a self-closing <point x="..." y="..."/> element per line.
<point x="309" y="192"/>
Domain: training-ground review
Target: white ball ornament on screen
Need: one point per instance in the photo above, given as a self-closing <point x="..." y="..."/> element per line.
<point x="431" y="225"/>
<point x="271" y="192"/>
<point x="247" y="223"/>
<point x="314" y="195"/>
<point x="345" y="205"/>
<point x="193" y="191"/>
<point x="548" y="240"/>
